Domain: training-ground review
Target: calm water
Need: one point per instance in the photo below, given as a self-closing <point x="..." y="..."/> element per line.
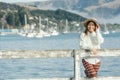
<point x="69" y="41"/>
<point x="52" y="67"/>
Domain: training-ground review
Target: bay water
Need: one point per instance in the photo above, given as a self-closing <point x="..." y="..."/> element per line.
<point x="52" y="67"/>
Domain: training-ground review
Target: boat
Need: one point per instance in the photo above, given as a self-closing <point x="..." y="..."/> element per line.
<point x="55" y="30"/>
<point x="24" y="32"/>
<point x="55" y="33"/>
<point x="2" y="33"/>
<point x="113" y="31"/>
<point x="46" y="34"/>
<point x="32" y="34"/>
<point x="66" y="27"/>
<point x="106" y="30"/>
<point x="40" y="33"/>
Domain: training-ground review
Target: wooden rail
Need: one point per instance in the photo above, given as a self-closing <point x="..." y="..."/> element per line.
<point x="59" y="54"/>
<point x="99" y="78"/>
<point x="52" y="53"/>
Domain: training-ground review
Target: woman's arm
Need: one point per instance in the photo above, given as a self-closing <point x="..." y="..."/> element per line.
<point x="100" y="39"/>
<point x="83" y="43"/>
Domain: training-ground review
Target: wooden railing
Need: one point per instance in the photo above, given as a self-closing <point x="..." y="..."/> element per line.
<point x="76" y="54"/>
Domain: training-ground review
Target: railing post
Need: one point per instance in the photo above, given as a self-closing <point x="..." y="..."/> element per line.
<point x="76" y="65"/>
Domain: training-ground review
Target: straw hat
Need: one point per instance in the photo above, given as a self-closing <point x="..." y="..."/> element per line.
<point x="85" y="23"/>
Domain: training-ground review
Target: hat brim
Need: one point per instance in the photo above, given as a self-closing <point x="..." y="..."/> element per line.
<point x="85" y="23"/>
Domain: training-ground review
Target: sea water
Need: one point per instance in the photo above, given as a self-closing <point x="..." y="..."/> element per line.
<point x="52" y="67"/>
<point x="69" y="41"/>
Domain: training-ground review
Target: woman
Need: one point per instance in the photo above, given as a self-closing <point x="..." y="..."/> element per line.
<point x="90" y="41"/>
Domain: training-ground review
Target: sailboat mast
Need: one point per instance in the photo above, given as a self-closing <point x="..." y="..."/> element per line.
<point x="47" y="24"/>
<point x="66" y="29"/>
<point x="39" y="23"/>
<point x="57" y="27"/>
<point x="25" y="22"/>
<point x="105" y="27"/>
<point x="2" y="28"/>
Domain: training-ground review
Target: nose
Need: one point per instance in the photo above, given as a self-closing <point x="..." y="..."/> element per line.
<point x="90" y="27"/>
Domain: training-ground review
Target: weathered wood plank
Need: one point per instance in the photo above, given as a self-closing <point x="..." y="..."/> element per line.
<point x="99" y="78"/>
<point x="102" y="78"/>
<point x="51" y="53"/>
<point x="35" y="54"/>
<point x="43" y="79"/>
<point x="76" y="65"/>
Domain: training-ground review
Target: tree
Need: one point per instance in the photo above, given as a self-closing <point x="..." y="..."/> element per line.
<point x="21" y="13"/>
<point x="17" y="20"/>
<point x="1" y="14"/>
<point x="10" y="19"/>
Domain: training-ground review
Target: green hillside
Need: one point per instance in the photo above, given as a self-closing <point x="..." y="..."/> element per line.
<point x="12" y="17"/>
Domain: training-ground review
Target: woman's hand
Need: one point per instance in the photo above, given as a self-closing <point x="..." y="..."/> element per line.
<point x="94" y="51"/>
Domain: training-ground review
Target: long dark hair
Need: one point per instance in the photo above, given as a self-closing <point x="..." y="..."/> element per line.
<point x="86" y="30"/>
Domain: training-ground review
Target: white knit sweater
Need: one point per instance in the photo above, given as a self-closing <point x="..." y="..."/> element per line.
<point x="91" y="41"/>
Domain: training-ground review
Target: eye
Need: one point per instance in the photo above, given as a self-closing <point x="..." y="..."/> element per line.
<point x="92" y="24"/>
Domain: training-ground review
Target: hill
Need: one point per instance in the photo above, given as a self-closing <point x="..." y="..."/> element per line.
<point x="12" y="16"/>
<point x="100" y="9"/>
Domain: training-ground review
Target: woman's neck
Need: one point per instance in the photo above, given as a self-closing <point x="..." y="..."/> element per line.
<point x="91" y="33"/>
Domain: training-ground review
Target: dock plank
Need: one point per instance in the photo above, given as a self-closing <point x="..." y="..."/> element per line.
<point x="99" y="78"/>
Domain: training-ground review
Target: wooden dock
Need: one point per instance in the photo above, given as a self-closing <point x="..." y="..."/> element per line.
<point x="99" y="78"/>
<point x="76" y="54"/>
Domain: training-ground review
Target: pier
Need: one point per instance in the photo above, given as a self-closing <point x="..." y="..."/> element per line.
<point x="76" y="54"/>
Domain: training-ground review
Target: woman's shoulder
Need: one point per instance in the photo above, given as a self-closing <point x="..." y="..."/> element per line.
<point x="83" y="34"/>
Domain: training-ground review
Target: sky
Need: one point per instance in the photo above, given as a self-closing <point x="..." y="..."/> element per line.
<point x="13" y="1"/>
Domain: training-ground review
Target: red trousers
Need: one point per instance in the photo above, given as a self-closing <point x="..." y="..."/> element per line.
<point x="91" y="70"/>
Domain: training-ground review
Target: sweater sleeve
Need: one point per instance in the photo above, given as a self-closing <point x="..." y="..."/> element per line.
<point x="100" y="39"/>
<point x="83" y="42"/>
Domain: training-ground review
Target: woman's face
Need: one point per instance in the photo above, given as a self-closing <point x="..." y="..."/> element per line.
<point x="91" y="27"/>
